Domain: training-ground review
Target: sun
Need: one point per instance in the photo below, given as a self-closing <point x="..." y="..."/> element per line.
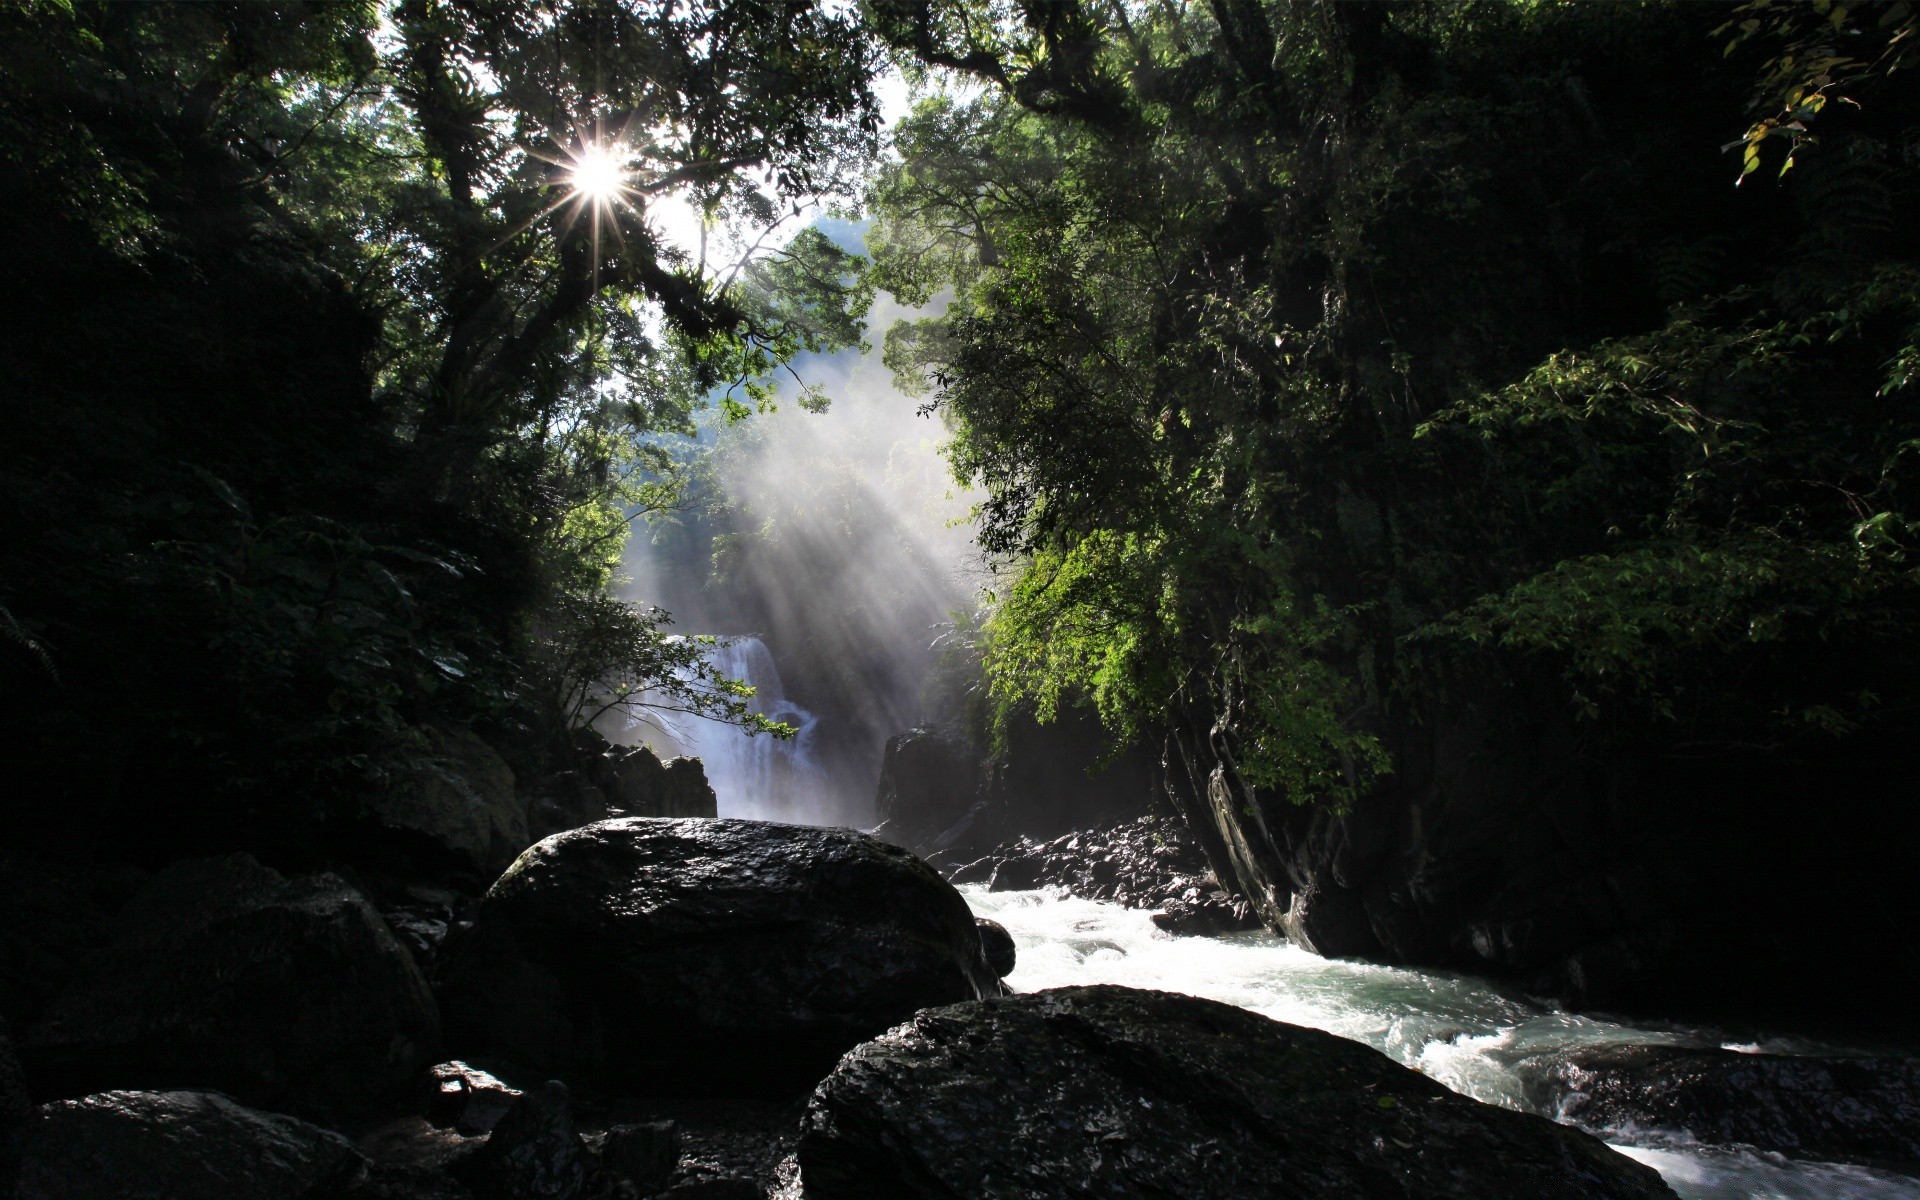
<point x="597" y="175"/>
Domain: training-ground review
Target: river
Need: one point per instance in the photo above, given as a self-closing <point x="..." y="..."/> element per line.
<point x="1464" y="1032"/>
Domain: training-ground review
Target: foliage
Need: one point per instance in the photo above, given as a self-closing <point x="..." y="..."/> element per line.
<point x="334" y="405"/>
<point x="1821" y="53"/>
<point x="1320" y="360"/>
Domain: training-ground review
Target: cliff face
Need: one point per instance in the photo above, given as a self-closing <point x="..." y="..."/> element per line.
<point x="1505" y="843"/>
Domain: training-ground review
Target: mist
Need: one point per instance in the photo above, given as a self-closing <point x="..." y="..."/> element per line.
<point x="832" y="549"/>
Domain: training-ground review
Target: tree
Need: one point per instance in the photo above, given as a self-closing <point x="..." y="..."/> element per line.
<point x="363" y="450"/>
<point x="1321" y="361"/>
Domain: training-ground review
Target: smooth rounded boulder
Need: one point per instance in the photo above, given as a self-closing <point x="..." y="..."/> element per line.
<point x="705" y="956"/>
<point x="1130" y="1095"/>
<point x="179" y="1146"/>
<point x="289" y="994"/>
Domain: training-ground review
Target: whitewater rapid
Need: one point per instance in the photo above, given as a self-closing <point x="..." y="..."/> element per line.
<point x="1464" y="1032"/>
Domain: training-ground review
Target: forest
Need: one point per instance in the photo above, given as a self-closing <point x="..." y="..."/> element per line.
<point x="1379" y="518"/>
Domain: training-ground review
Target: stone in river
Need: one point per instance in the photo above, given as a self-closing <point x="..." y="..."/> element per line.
<point x="1122" y="1094"/>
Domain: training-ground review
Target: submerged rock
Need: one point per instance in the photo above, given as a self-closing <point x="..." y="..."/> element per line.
<point x="715" y="956"/>
<point x="1863" y="1110"/>
<point x="1119" y="1093"/>
<point x="179" y="1146"/>
<point x="287" y="993"/>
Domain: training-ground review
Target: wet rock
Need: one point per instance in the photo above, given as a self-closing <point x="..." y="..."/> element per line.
<point x="1148" y="863"/>
<point x="14" y="1106"/>
<point x="1863" y="1110"/>
<point x="997" y="944"/>
<point x="637" y="784"/>
<point x="1119" y="1093"/>
<point x="464" y="801"/>
<point x="179" y="1146"/>
<point x="561" y="802"/>
<point x="286" y="993"/>
<point x="534" y="1153"/>
<point x="646" y="1154"/>
<point x="927" y="785"/>
<point x="714" y="956"/>
<point x="467" y="1099"/>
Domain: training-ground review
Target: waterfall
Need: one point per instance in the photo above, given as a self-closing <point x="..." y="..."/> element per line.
<point x="760" y="777"/>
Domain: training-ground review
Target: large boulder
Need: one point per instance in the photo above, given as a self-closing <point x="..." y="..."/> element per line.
<point x="290" y="994"/>
<point x="1119" y="1093"/>
<point x="463" y="800"/>
<point x="717" y="956"/>
<point x="1863" y="1110"/>
<point x="179" y="1146"/>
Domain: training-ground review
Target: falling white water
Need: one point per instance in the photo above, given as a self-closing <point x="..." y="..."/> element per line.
<point x="1469" y="1034"/>
<point x="762" y="777"/>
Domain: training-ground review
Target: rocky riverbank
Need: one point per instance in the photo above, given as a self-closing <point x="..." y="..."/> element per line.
<point x="639" y="1007"/>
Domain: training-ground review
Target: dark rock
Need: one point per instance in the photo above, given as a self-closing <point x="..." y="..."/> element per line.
<point x="718" y="1187"/>
<point x="415" y="1160"/>
<point x="637" y="784"/>
<point x="420" y="927"/>
<point x="179" y="1146"/>
<point x="467" y="1099"/>
<point x="1862" y="1110"/>
<point x="561" y="802"/>
<point x="1150" y="862"/>
<point x="285" y="993"/>
<point x="1017" y="874"/>
<point x="1118" y="1093"/>
<point x="997" y="944"/>
<point x="646" y="1154"/>
<point x="715" y="956"/>
<point x="927" y="784"/>
<point x="534" y="1153"/>
<point x="463" y="800"/>
<point x="14" y="1105"/>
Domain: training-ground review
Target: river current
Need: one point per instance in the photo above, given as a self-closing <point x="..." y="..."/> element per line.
<point x="1467" y="1033"/>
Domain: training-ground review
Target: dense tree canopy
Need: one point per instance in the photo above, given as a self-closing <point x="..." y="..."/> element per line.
<point x="329" y="392"/>
<point x="1322" y="361"/>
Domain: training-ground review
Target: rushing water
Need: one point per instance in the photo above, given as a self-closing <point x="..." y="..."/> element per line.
<point x="762" y="778"/>
<point x="1467" y="1033"/>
